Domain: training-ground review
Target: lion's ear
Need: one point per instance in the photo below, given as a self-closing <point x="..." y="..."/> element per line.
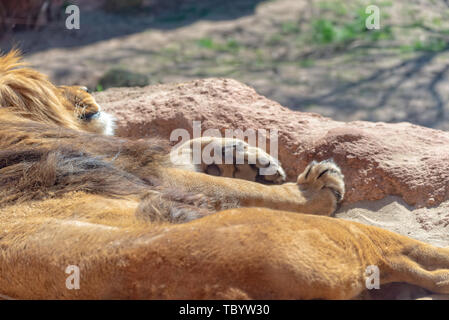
<point x="84" y="89"/>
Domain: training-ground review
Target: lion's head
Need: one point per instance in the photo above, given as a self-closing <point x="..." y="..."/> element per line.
<point x="26" y="93"/>
<point x="86" y="110"/>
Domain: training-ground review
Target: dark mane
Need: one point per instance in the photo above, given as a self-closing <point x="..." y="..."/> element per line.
<point x="35" y="173"/>
<point x="46" y="151"/>
<point x="39" y="161"/>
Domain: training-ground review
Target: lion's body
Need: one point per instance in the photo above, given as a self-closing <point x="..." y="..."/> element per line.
<point x="72" y="196"/>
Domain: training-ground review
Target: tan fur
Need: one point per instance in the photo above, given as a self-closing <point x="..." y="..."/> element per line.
<point x="70" y="196"/>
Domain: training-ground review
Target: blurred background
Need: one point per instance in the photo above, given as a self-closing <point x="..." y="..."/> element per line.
<point x="309" y="55"/>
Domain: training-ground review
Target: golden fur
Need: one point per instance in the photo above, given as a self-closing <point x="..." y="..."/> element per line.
<point x="72" y="196"/>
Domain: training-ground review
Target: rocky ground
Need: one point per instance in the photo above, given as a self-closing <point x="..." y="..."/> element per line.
<point x="309" y="55"/>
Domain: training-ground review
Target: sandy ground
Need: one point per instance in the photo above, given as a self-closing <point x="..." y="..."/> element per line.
<point x="430" y="225"/>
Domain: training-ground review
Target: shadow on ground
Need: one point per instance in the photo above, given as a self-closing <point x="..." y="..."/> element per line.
<point x="314" y="56"/>
<point x="98" y="25"/>
<point x="343" y="99"/>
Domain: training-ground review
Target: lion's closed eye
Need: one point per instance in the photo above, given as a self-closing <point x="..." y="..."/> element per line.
<point x="86" y="110"/>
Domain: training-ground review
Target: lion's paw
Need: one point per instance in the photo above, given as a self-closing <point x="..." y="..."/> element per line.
<point x="240" y="160"/>
<point x="324" y="174"/>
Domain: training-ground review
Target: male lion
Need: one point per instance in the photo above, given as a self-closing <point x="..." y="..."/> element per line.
<point x="72" y="195"/>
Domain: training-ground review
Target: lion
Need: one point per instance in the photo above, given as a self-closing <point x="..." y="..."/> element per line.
<point x="135" y="225"/>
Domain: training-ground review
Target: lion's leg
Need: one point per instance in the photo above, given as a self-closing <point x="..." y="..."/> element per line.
<point x="319" y="257"/>
<point x="423" y="265"/>
<point x="317" y="191"/>
<point x="228" y="157"/>
<point x="242" y="253"/>
<point x="396" y="257"/>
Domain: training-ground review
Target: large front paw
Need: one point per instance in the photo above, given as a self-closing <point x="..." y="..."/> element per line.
<point x="321" y="175"/>
<point x="240" y="160"/>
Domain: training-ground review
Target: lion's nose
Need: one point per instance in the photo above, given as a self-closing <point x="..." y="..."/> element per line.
<point x="90" y="116"/>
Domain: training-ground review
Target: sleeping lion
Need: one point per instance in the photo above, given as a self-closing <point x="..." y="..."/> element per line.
<point x="136" y="225"/>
